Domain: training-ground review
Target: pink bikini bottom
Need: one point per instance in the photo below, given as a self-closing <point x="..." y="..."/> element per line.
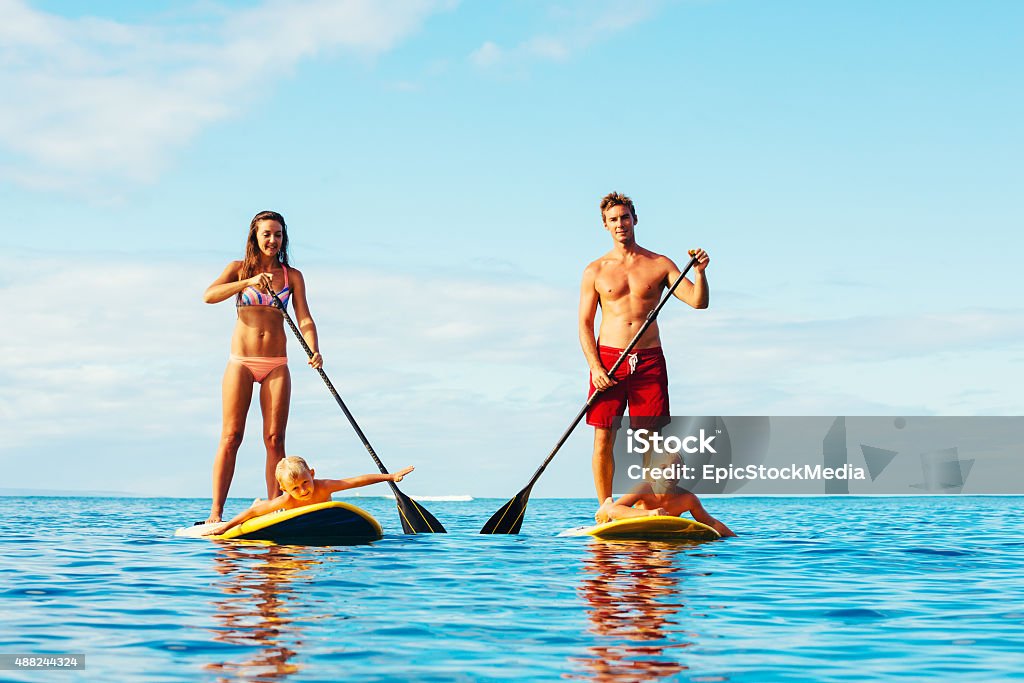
<point x="260" y="366"/>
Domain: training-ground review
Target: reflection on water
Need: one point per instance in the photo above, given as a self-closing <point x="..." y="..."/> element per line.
<point x="259" y="609"/>
<point x="634" y="593"/>
<point x="95" y="576"/>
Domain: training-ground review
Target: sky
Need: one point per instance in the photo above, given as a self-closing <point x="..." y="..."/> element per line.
<point x="849" y="166"/>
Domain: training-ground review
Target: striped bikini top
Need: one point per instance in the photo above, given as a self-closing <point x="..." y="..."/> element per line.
<point x="250" y="296"/>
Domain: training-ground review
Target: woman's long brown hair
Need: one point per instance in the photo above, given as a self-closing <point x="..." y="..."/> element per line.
<point x="252" y="250"/>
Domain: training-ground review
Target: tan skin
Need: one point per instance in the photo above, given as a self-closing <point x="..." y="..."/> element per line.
<point x="627" y="284"/>
<point x="644" y="502"/>
<point x="305" y="489"/>
<point x="258" y="332"/>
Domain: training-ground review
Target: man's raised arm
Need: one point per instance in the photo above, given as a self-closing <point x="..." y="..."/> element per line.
<point x="694" y="293"/>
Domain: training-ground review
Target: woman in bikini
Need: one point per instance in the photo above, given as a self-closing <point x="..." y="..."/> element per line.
<point x="258" y="347"/>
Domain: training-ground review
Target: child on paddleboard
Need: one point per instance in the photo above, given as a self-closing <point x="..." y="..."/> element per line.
<point x="662" y="496"/>
<point x="301" y="488"/>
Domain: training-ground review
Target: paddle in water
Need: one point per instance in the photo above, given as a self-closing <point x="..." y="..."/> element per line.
<point x="509" y="518"/>
<point x="415" y="518"/>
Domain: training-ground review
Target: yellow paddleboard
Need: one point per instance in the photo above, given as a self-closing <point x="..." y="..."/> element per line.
<point x="332" y="523"/>
<point x="660" y="528"/>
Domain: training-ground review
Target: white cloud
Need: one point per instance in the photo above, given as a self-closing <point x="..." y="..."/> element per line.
<point x="960" y="362"/>
<point x="569" y="29"/>
<point x="486" y="55"/>
<point x="99" y="100"/>
<point x="468" y="377"/>
<point x="112" y="357"/>
<point x="546" y="48"/>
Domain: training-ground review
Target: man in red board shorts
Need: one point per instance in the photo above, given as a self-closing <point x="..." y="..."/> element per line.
<point x="627" y="284"/>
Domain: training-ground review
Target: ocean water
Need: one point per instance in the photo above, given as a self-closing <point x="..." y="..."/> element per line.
<point x="828" y="589"/>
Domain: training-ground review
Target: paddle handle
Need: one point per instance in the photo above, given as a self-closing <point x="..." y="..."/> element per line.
<point x="334" y="392"/>
<point x="611" y="371"/>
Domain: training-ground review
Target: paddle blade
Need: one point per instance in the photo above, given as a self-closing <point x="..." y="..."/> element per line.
<point x="415" y="518"/>
<point x="509" y="518"/>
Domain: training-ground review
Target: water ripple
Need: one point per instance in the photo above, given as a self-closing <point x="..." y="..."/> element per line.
<point x="831" y="589"/>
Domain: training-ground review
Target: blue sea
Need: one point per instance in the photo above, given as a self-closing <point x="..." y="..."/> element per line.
<point x="824" y="589"/>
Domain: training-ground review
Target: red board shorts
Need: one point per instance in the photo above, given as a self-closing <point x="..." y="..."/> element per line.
<point x="642" y="382"/>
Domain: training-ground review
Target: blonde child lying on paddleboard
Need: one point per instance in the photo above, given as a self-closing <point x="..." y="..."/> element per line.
<point x="301" y="488"/>
<point x="660" y="497"/>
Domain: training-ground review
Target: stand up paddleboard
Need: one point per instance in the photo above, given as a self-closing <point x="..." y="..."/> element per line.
<point x="660" y="528"/>
<point x="331" y="523"/>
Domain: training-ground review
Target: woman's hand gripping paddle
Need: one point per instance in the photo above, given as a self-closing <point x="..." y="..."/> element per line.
<point x="415" y="518"/>
<point x="509" y="518"/>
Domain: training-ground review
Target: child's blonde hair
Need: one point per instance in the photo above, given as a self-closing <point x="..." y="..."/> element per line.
<point x="290" y="469"/>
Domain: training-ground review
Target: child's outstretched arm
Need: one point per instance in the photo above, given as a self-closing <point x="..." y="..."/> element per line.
<point x="333" y="485"/>
<point x="263" y="507"/>
<point x="702" y="516"/>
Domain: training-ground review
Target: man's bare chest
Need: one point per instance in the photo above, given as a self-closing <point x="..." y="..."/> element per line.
<point x="616" y="282"/>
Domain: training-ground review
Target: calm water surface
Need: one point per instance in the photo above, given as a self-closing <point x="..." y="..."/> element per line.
<point x="835" y="589"/>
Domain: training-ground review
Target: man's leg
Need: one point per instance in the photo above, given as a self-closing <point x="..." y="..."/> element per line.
<point x="603" y="462"/>
<point x="609" y="405"/>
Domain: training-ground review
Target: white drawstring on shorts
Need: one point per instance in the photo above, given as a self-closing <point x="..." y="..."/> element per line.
<point x="633" y="358"/>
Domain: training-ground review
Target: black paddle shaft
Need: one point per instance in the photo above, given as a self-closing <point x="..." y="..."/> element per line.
<point x="415" y="518"/>
<point x="334" y="392"/>
<point x="611" y="371"/>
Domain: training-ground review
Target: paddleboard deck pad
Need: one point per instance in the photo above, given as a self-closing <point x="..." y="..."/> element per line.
<point x="658" y="528"/>
<point x="333" y="523"/>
